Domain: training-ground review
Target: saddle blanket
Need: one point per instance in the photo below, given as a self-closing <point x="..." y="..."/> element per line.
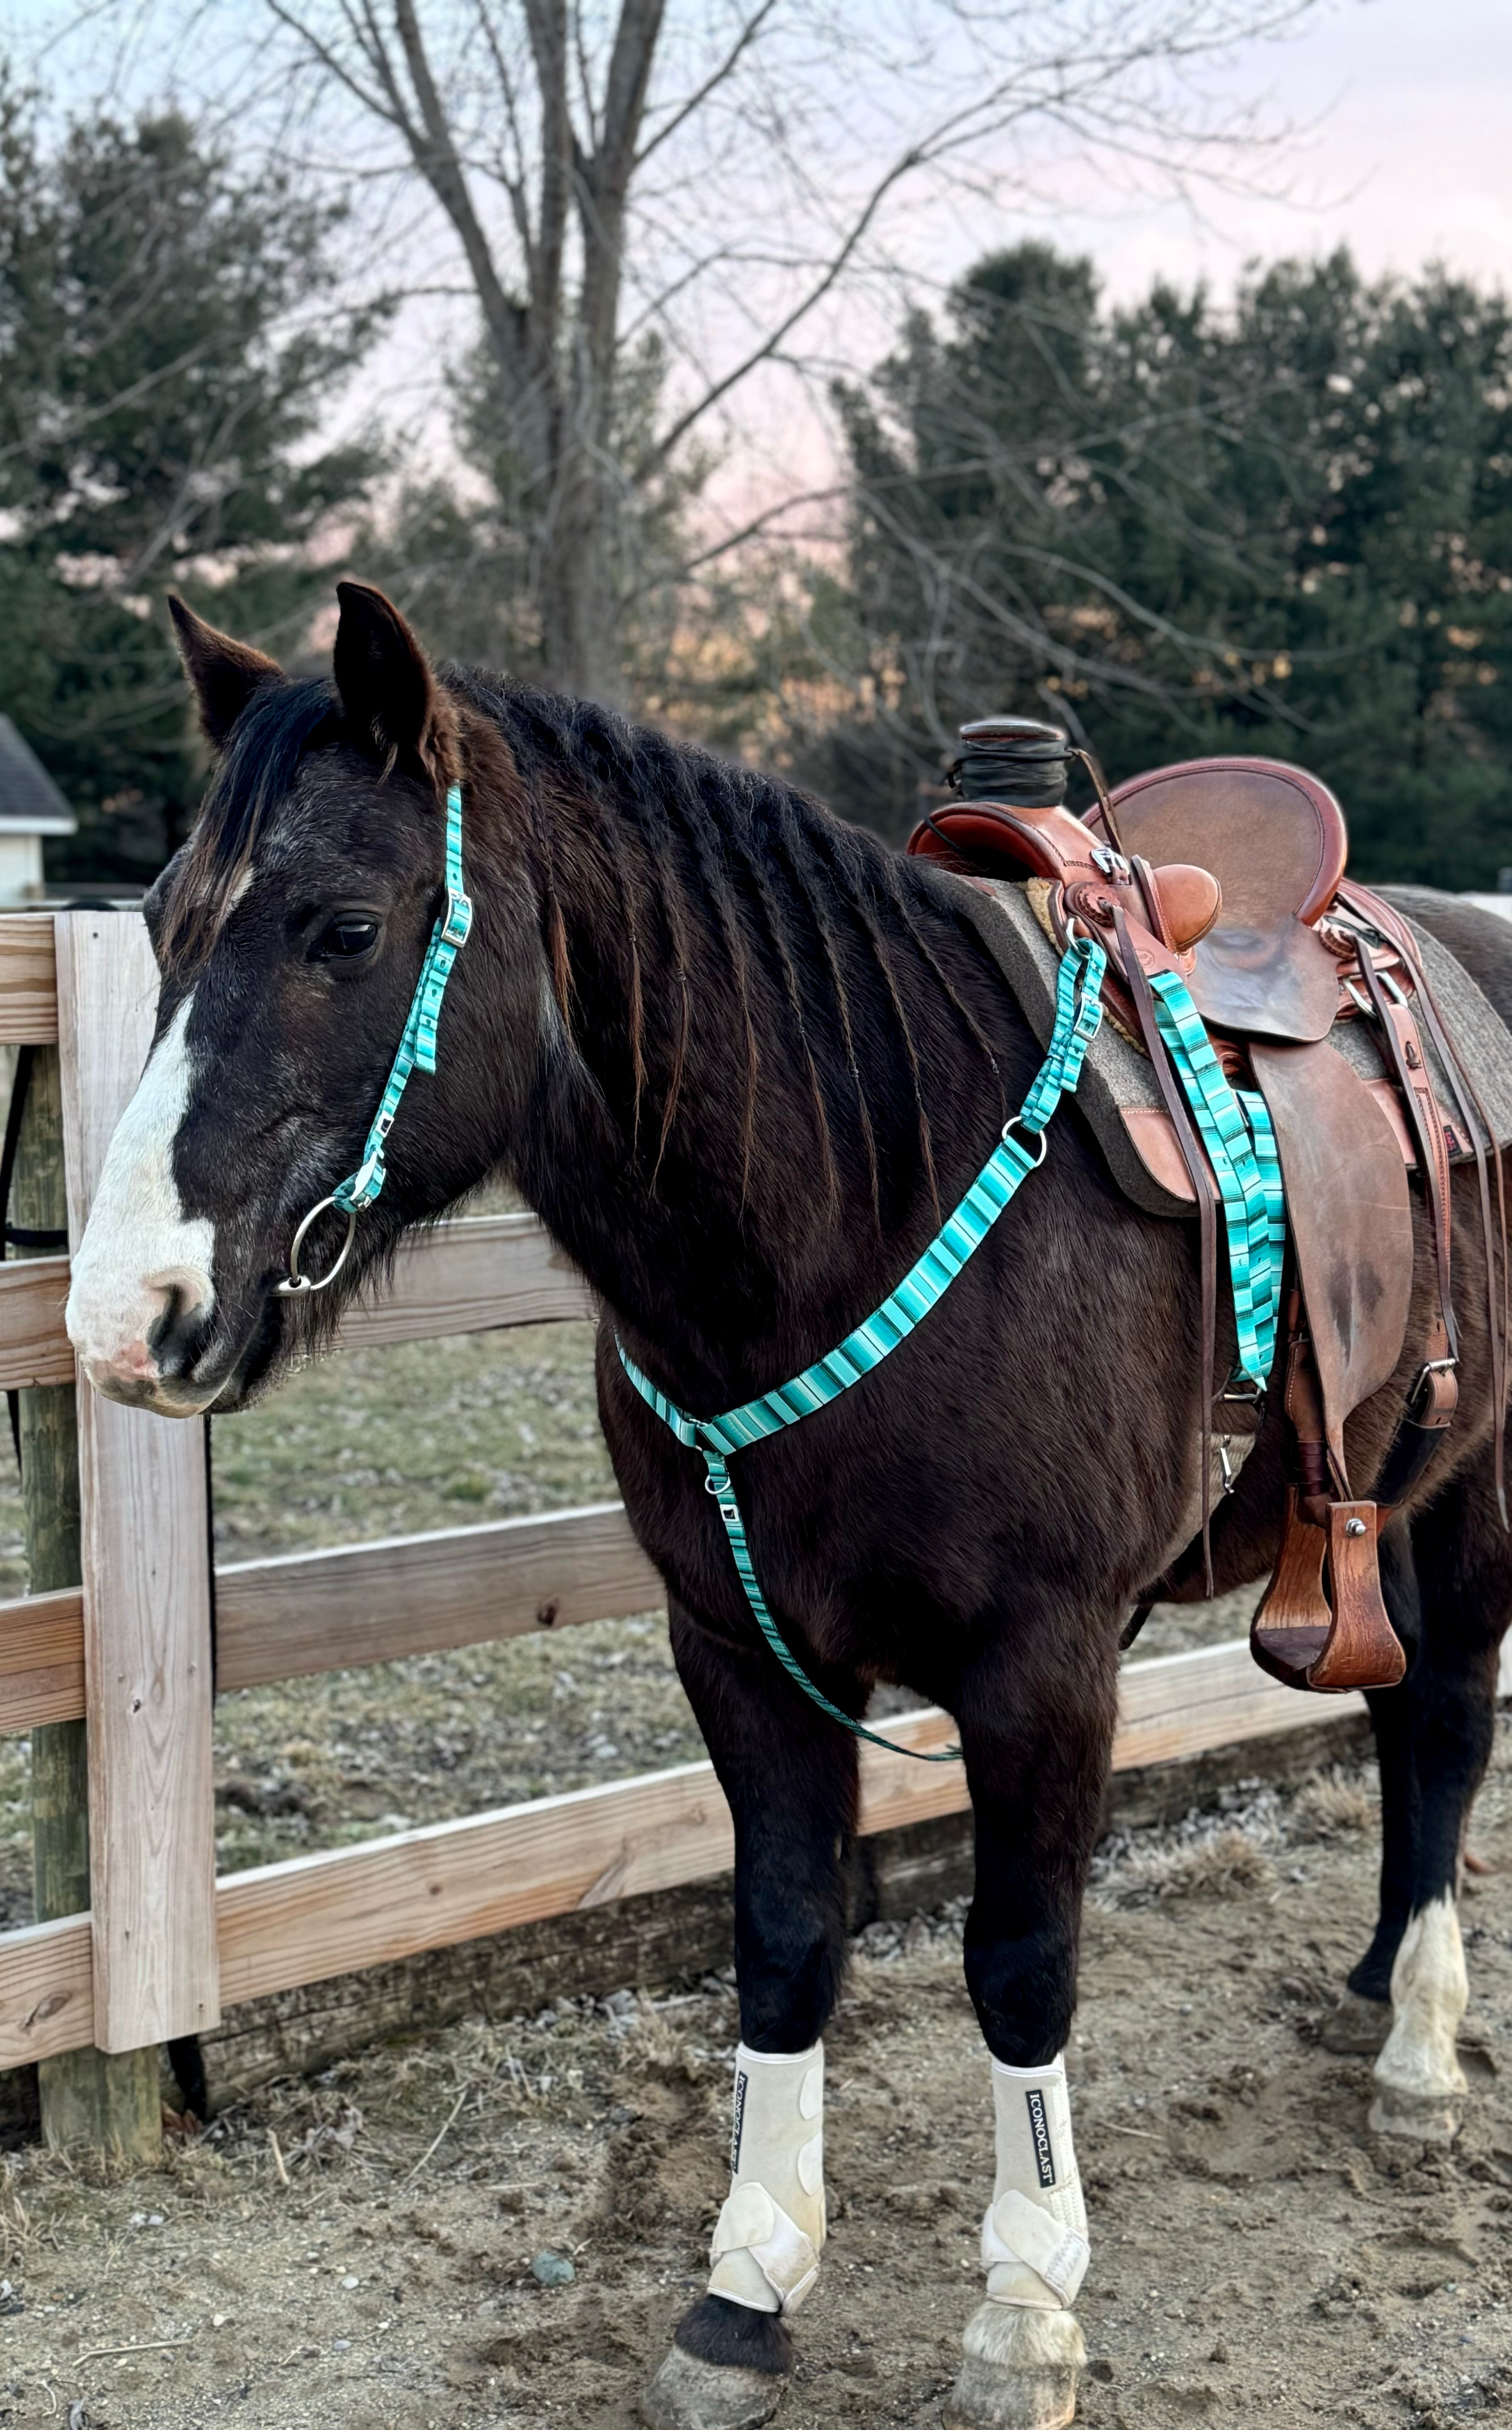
<point x="1118" y="1093"/>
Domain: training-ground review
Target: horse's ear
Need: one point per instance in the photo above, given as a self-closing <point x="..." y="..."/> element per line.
<point x="225" y="673"/>
<point x="388" y="690"/>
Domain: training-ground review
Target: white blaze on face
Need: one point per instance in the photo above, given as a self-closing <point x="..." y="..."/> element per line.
<point x="139" y="1250"/>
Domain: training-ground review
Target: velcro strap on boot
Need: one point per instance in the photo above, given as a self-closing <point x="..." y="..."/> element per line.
<point x="1029" y="2257"/>
<point x="751" y="2227"/>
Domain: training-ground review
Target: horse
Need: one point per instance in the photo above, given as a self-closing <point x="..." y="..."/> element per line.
<point x="739" y="1057"/>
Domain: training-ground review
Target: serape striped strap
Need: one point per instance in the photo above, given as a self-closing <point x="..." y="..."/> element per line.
<point x="1078" y="1014"/>
<point x="1234" y="1127"/>
<point x="417" y="1048"/>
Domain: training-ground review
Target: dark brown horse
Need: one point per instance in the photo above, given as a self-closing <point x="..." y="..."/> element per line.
<point x="740" y="1057"/>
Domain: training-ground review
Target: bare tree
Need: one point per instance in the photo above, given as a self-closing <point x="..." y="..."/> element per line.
<point x="713" y="177"/>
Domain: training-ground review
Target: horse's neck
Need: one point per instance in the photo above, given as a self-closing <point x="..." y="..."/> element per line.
<point x="731" y="1263"/>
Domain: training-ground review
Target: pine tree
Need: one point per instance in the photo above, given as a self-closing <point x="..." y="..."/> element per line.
<point x="171" y="336"/>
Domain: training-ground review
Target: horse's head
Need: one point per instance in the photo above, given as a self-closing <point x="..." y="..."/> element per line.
<point x="290" y="933"/>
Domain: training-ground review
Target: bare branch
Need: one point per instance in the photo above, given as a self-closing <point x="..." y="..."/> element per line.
<point x="333" y="64"/>
<point x="436" y="159"/>
<point x="834" y="271"/>
<point x="762" y="523"/>
<point x="688" y="108"/>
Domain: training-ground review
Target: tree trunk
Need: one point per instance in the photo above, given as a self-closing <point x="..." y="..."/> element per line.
<point x="580" y="617"/>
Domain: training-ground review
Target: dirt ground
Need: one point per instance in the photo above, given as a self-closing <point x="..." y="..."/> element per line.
<point x="369" y="2251"/>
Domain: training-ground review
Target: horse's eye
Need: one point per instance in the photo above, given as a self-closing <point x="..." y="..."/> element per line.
<point x="346" y="938"/>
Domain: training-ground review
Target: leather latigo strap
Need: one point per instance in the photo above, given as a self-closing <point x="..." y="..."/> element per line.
<point x="1403" y="1046"/>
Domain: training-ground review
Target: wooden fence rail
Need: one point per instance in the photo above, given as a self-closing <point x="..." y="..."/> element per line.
<point x="475" y="1274"/>
<point x="337" y="1912"/>
<point x="165" y="1944"/>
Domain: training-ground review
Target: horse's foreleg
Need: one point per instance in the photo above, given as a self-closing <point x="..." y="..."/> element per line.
<point x="1036" y="1735"/>
<point x="790" y="1776"/>
<point x="1463" y="1573"/>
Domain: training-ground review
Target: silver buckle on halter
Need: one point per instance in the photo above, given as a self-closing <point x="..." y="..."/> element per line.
<point x="458" y="924"/>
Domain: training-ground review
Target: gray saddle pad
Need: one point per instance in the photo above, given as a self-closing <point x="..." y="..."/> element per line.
<point x="1117" y="1076"/>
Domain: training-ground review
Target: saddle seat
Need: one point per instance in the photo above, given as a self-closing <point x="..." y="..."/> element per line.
<point x="1274" y="840"/>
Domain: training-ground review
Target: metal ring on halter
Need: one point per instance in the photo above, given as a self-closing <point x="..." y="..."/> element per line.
<point x="296" y="1284"/>
<point x="1017" y="1124"/>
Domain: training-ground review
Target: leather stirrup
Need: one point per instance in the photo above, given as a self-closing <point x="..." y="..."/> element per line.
<point x="1307" y="1641"/>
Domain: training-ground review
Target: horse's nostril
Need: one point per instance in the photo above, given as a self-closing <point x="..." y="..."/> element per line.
<point x="182" y="1289"/>
<point x="183" y="1299"/>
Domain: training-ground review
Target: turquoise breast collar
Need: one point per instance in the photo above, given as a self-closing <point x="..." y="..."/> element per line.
<point x="1236" y="1132"/>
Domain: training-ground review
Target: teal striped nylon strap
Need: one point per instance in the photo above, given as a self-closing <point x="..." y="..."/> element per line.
<point x="1078" y="1015"/>
<point x="1235" y="1129"/>
<point x="417" y="1048"/>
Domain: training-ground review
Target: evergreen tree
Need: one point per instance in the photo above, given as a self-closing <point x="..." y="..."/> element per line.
<point x="171" y="337"/>
<point x="1284" y="529"/>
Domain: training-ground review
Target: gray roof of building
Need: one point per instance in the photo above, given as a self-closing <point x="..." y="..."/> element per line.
<point x="30" y="803"/>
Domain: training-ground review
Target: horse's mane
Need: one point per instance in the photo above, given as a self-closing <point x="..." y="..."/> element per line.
<point x="727" y="860"/>
<point x="733" y="860"/>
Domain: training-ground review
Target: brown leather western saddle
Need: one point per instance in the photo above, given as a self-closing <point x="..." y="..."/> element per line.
<point x="1231" y="872"/>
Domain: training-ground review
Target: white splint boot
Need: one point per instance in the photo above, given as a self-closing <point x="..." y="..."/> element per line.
<point x="1022" y="2347"/>
<point x="769" y="2234"/>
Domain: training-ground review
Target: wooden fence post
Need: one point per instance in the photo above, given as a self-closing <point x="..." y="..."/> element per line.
<point x="88" y="2099"/>
<point x="145" y="1572"/>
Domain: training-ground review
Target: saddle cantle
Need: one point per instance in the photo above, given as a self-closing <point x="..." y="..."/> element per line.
<point x="1230" y="873"/>
<point x="1273" y="839"/>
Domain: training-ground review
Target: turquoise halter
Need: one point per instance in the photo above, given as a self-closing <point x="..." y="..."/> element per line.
<point x="417" y="1048"/>
<point x="1078" y="1015"/>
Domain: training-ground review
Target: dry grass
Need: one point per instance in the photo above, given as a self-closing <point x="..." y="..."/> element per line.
<point x="1237" y="1845"/>
<point x="1225" y="1863"/>
<point x="1336" y="1804"/>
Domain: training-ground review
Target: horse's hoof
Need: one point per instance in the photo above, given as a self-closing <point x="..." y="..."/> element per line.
<point x="1414" y="2117"/>
<point x="1357" y="2027"/>
<point x="688" y="2394"/>
<point x="1019" y="2372"/>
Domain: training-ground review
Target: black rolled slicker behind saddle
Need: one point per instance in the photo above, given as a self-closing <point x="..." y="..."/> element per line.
<point x="1316" y="992"/>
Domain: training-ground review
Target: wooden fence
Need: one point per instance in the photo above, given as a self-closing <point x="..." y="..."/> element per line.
<point x="166" y="1945"/>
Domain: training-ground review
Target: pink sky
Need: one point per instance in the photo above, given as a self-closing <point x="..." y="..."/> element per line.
<point x="1412" y="159"/>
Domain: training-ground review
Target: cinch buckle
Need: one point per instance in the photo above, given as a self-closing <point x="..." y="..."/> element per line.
<point x="456" y="926"/>
<point x="1421" y="1397"/>
<point x="1111" y="863"/>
